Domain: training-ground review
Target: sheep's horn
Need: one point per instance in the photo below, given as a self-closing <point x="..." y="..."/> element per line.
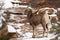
<point x="37" y="11"/>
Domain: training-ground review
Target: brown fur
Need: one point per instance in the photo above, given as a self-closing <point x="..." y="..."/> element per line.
<point x="36" y="19"/>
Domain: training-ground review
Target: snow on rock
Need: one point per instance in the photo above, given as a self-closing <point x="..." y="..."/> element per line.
<point x="16" y="25"/>
<point x="58" y="22"/>
<point x="18" y="18"/>
<point x="7" y="4"/>
<point x="28" y="35"/>
<point x="11" y="29"/>
<point x="50" y="36"/>
<point x="58" y="9"/>
<point x="1" y="17"/>
<point x="1" y="23"/>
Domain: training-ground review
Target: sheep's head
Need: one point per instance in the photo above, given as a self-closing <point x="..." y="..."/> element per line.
<point x="28" y="12"/>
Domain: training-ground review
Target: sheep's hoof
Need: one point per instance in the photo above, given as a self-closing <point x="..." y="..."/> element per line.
<point x="33" y="36"/>
<point x="41" y="37"/>
<point x="46" y="36"/>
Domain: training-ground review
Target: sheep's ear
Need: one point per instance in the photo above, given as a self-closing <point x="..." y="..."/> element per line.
<point x="30" y="14"/>
<point x="26" y="10"/>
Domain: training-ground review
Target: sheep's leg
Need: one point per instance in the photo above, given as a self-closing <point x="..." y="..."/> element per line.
<point x="33" y="32"/>
<point x="44" y="31"/>
<point x="44" y="28"/>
